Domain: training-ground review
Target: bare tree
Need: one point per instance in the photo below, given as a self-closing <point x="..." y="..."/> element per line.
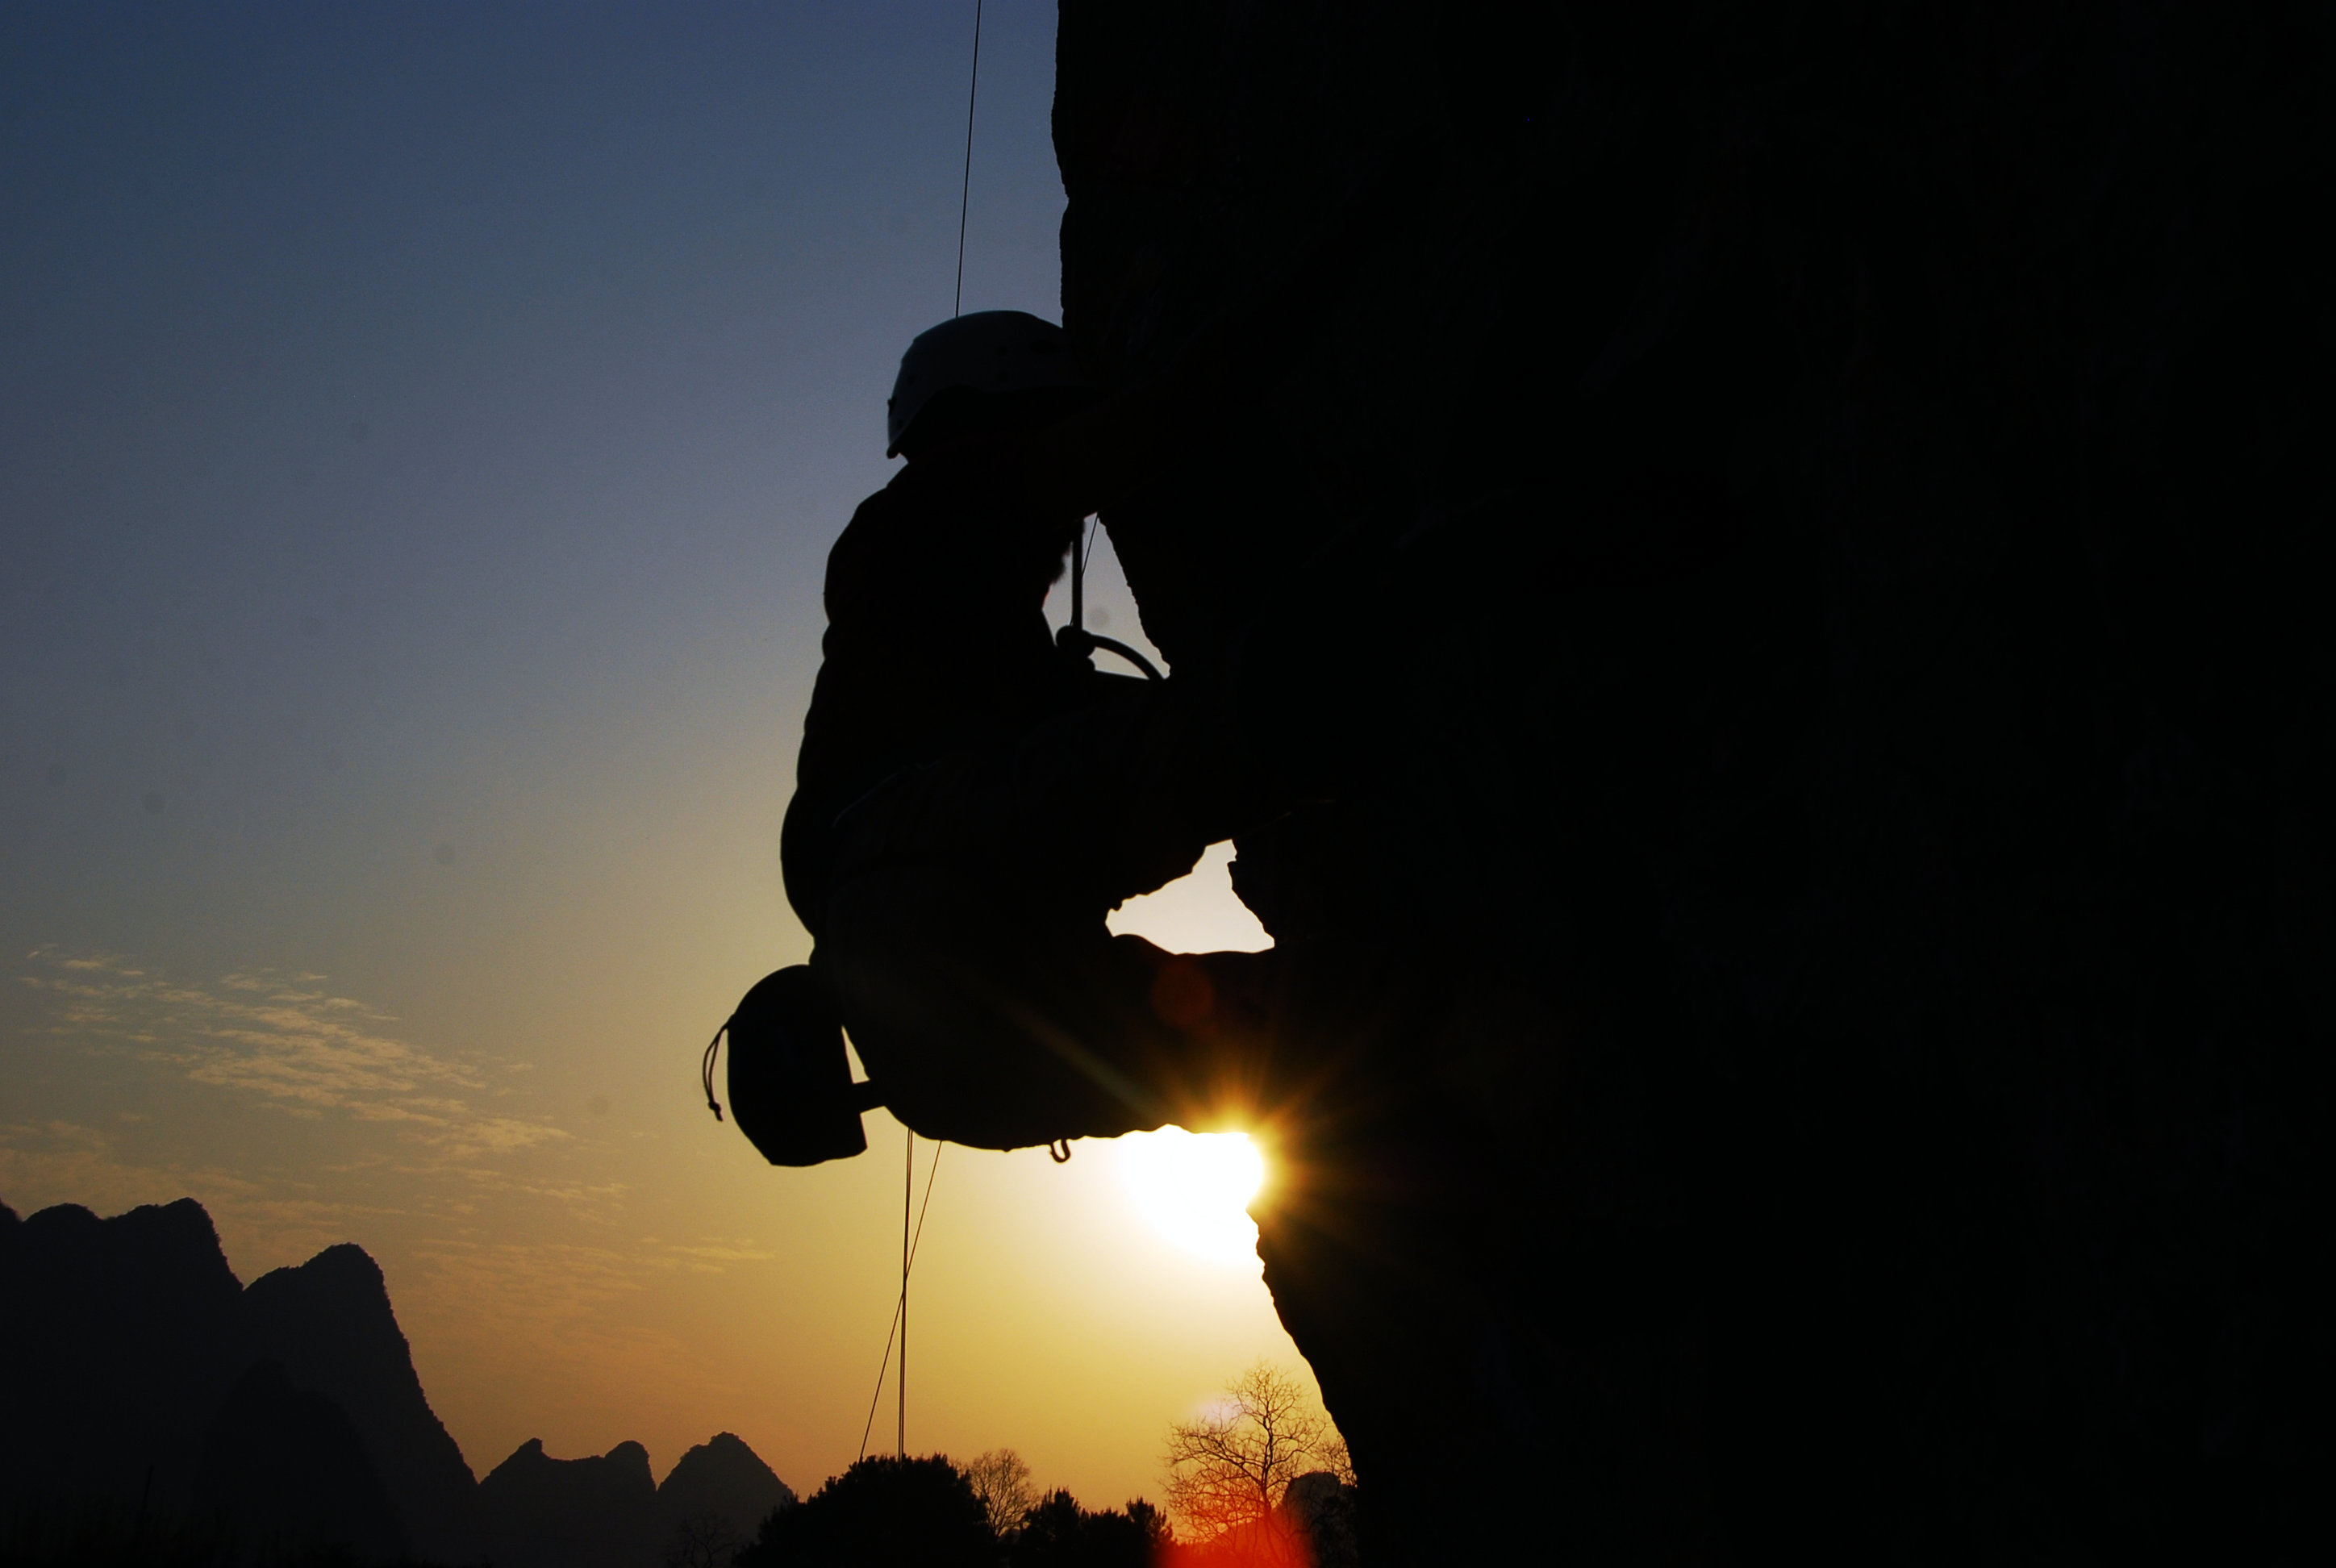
<point x="1227" y="1471"/>
<point x="701" y="1541"/>
<point x="1002" y="1481"/>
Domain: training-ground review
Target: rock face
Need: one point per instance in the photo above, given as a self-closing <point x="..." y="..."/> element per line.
<point x="546" y="1513"/>
<point x="330" y="1325"/>
<point x="722" y="1480"/>
<point x="1321" y="1509"/>
<point x="1805" y="528"/>
<point x="140" y="1372"/>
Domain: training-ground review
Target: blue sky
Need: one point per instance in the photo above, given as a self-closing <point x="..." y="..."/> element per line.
<point x="421" y="429"/>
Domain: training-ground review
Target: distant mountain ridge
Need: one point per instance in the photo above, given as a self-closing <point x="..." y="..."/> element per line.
<point x="604" y="1512"/>
<point x="141" y="1372"/>
<point x="330" y="1324"/>
<point x="722" y="1479"/>
<point x="547" y="1513"/>
<point x="121" y="1339"/>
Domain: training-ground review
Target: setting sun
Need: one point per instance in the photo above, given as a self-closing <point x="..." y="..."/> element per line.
<point x="1195" y="1187"/>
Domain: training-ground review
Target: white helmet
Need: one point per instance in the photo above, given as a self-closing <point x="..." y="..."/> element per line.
<point x="986" y="351"/>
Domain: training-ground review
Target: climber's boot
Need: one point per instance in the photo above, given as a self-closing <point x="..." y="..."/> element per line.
<point x="791" y="1088"/>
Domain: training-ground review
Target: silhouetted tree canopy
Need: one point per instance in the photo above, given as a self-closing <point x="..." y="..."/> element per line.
<point x="1059" y="1534"/>
<point x="1002" y="1481"/>
<point x="1228" y="1467"/>
<point x="882" y="1513"/>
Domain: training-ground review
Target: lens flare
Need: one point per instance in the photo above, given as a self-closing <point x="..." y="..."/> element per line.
<point x="1193" y="1187"/>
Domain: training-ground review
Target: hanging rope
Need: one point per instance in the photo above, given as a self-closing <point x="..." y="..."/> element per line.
<point x="901" y="1305"/>
<point x="910" y="1242"/>
<point x="908" y="1190"/>
<point x="965" y="189"/>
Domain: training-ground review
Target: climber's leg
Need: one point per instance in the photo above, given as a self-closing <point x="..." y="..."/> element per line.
<point x="963" y="937"/>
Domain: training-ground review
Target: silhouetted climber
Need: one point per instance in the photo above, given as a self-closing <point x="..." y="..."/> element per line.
<point x="972" y="799"/>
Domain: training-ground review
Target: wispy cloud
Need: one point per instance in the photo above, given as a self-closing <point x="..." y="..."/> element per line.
<point x="287" y="1040"/>
<point x="301" y="1116"/>
<point x="264" y="1223"/>
<point x="713" y="1252"/>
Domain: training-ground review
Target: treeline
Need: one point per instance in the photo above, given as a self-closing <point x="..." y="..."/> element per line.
<point x="926" y="1511"/>
<point x="931" y="1513"/>
<point x="881" y="1512"/>
<point x="1260" y="1479"/>
<point x="159" y="1414"/>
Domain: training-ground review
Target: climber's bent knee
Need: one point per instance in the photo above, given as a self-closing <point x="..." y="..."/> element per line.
<point x="991" y="1026"/>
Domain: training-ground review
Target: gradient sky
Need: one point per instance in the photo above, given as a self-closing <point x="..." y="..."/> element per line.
<point x="421" y="429"/>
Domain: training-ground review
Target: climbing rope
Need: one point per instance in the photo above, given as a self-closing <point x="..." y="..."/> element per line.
<point x="899" y="1309"/>
<point x="1074" y="639"/>
<point x="909" y="1242"/>
<point x="965" y="187"/>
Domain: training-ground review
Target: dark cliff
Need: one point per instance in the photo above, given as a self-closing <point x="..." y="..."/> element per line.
<point x="1806" y="529"/>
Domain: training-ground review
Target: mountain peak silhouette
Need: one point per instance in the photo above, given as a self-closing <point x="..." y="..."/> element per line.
<point x="721" y="1478"/>
<point x="121" y="1338"/>
<point x="330" y="1322"/>
<point x="129" y="1341"/>
<point x="143" y="1375"/>
<point x="589" y="1513"/>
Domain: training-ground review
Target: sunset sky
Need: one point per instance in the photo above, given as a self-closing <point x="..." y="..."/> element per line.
<point x="421" y="429"/>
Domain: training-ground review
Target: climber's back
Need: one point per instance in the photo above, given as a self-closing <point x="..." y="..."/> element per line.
<point x="937" y="634"/>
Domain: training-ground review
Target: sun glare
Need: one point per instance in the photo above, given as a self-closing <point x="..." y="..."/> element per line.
<point x="1193" y="1188"/>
